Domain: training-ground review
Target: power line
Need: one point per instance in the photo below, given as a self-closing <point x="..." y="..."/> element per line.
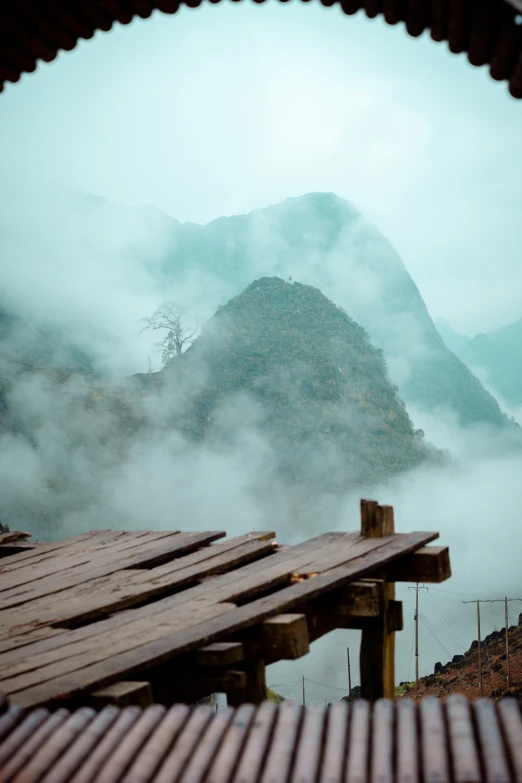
<point x="440" y="614"/>
<point x="430" y="629"/>
<point x="479" y="601"/>
<point x="324" y="685"/>
<point x="445" y="628"/>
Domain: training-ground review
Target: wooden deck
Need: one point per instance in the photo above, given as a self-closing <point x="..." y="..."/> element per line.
<point x="454" y="742"/>
<point x="186" y="616"/>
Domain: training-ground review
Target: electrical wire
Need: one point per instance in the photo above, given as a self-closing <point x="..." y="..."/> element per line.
<point x="446" y="628"/>
<point x="428" y="626"/>
<point x="324" y="685"/>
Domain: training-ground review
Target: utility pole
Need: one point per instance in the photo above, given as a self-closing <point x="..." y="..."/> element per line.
<point x="493" y="601"/>
<point x="349" y="673"/>
<point x="479" y="650"/>
<point x="303" y="693"/>
<point x="507" y="641"/>
<point x="417" y="632"/>
<point x="417" y="588"/>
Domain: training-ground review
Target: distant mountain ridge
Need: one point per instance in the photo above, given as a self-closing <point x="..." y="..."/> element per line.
<point x="496" y="355"/>
<point x="325" y="242"/>
<point x="283" y="357"/>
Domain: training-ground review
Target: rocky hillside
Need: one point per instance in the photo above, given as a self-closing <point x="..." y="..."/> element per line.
<point x="284" y="360"/>
<point x="324" y="241"/>
<point x="460" y="675"/>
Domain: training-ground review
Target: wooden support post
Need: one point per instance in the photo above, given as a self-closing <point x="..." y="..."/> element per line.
<point x="253" y="690"/>
<point x="508" y="677"/>
<point x="122" y="694"/>
<point x="377" y="656"/>
<point x="285" y="637"/>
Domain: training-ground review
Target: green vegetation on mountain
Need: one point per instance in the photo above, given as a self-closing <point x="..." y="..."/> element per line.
<point x="324" y="241"/>
<point x="282" y="356"/>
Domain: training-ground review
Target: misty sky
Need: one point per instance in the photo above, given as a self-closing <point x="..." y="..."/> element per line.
<point x="222" y="109"/>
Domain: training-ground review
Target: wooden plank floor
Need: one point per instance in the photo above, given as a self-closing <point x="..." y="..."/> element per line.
<point x="452" y="742"/>
<point x="102" y="607"/>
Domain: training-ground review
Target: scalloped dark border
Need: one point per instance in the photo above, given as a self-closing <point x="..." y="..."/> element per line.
<point x="489" y="31"/>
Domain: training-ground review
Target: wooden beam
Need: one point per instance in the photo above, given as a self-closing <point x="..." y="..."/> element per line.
<point x="377" y="652"/>
<point x="285" y="637"/>
<point x="430" y="564"/>
<point x="122" y="694"/>
<point x="219" y="654"/>
<point x="355" y="605"/>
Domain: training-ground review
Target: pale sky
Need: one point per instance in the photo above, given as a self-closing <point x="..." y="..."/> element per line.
<point x="223" y="109"/>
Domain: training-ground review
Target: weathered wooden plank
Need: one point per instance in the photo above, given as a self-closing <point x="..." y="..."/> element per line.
<point x="49" y="548"/>
<point x="225" y="760"/>
<point x="32" y="742"/>
<point x="122" y="694"/>
<point x="157" y="652"/>
<point x="81" y="561"/>
<point x="199" y="763"/>
<point x="41" y="761"/>
<point x="511" y="720"/>
<point x="282" y="747"/>
<point x="357" y="768"/>
<point x="148" y="553"/>
<point x="102" y="751"/>
<point x="84" y="602"/>
<point x="158" y="745"/>
<point x="285" y="637"/>
<point x="430" y="564"/>
<point x="464" y="752"/>
<point x="336" y="736"/>
<point x="407" y="743"/>
<point x="219" y="654"/>
<point x="12" y="644"/>
<point x="434" y="750"/>
<point x="45" y="667"/>
<point x="257" y="743"/>
<point x="309" y="749"/>
<point x="490" y="740"/>
<point x="70" y="548"/>
<point x="187" y="741"/>
<point x="148" y="611"/>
